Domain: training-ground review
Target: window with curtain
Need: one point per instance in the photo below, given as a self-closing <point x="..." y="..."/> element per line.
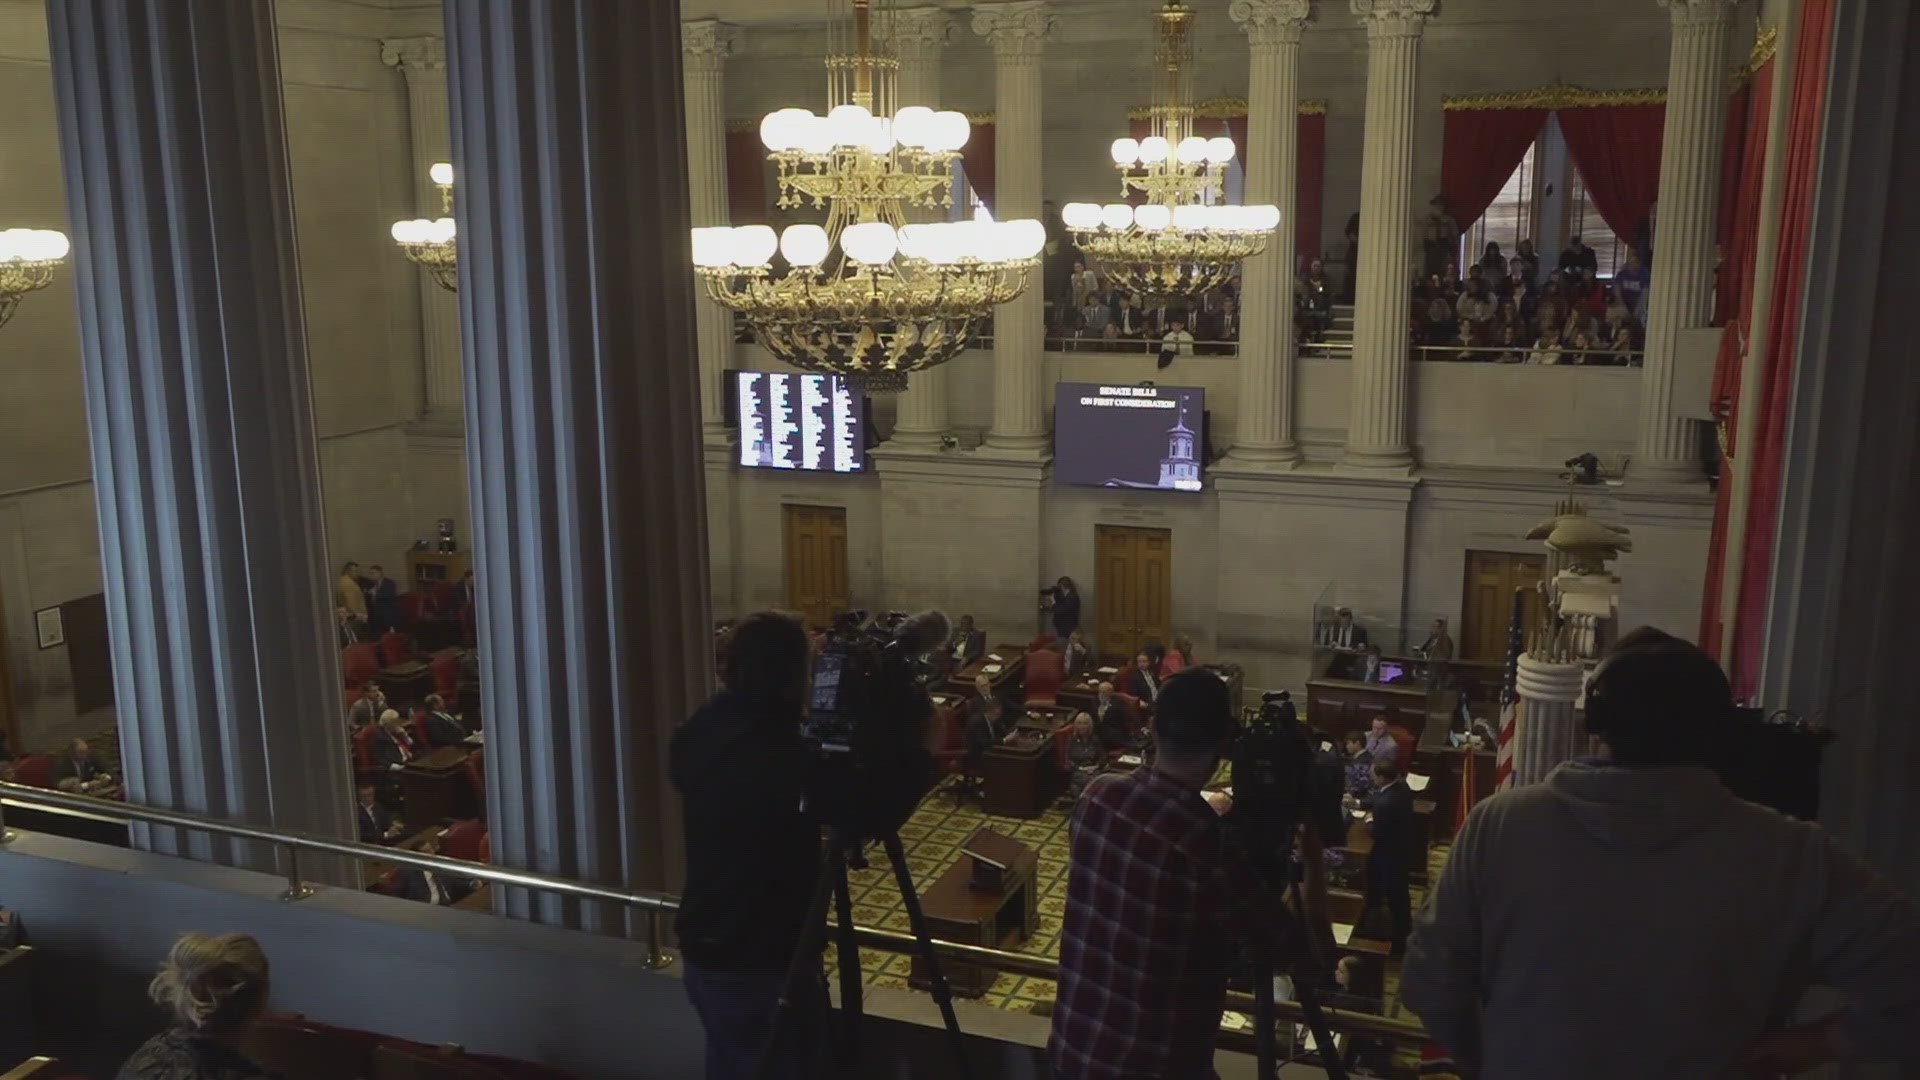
<point x="1584" y="221"/>
<point x="1511" y="216"/>
<point x="966" y="201"/>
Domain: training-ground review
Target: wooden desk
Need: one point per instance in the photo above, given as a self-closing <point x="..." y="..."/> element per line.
<point x="406" y="684"/>
<point x="480" y="899"/>
<point x="434" y="787"/>
<point x="1012" y="661"/>
<point x="956" y="911"/>
<point x="375" y="869"/>
<point x="1022" y="777"/>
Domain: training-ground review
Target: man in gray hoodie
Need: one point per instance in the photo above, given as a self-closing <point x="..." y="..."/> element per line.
<point x="1630" y="917"/>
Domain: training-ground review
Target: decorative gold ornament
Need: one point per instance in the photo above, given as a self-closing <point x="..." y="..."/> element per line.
<point x="1181" y="241"/>
<point x="431" y="243"/>
<point x="866" y="295"/>
<point x="28" y="258"/>
<point x="1556" y="96"/>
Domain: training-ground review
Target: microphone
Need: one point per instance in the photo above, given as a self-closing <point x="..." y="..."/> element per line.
<point x="920" y="633"/>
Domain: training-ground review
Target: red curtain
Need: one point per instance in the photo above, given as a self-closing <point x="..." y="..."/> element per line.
<point x="1617" y="150"/>
<point x="1481" y="148"/>
<point x="746" y="178"/>
<point x="977" y="158"/>
<point x="1763" y="462"/>
<point x="1311" y="180"/>
<point x="1732" y="149"/>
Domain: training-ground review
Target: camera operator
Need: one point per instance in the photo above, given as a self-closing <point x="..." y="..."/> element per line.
<point x="1157" y="904"/>
<point x="753" y="850"/>
<point x="1631" y="917"/>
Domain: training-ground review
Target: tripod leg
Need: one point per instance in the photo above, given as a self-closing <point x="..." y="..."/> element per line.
<point x="1330" y="1060"/>
<point x="1266" y="1054"/>
<point x="806" y="956"/>
<point x="917" y="919"/>
<point x="851" y="989"/>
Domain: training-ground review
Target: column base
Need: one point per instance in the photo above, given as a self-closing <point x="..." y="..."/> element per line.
<point x="1673" y="471"/>
<point x="1019" y="443"/>
<point x="916" y="438"/>
<point x="1397" y="461"/>
<point x="717" y="433"/>
<point x="1282" y="458"/>
<point x="444" y="421"/>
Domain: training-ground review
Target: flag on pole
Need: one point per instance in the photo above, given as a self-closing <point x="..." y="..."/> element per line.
<point x="1510" y="691"/>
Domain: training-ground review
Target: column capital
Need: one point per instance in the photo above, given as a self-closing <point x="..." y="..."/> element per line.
<point x="1018" y="30"/>
<point x="921" y="31"/>
<point x="1271" y="22"/>
<point x="705" y="44"/>
<point x="416" y="56"/>
<point x="1393" y="18"/>
<point x="1691" y="14"/>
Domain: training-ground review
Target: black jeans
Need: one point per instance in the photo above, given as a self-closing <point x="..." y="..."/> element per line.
<point x="736" y="1008"/>
<point x="1390" y="888"/>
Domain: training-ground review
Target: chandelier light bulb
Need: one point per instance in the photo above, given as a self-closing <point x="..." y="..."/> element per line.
<point x="1021" y="239"/>
<point x="850" y="125"/>
<point x="1220" y="149"/>
<point x="404" y="232"/>
<point x="778" y="131"/>
<point x="441" y="230"/>
<point x="1266" y="217"/>
<point x="1152" y="217"/>
<point x="1153" y="150"/>
<point x="753" y="245"/>
<point x="1116" y="215"/>
<point x="880" y="138"/>
<point x="1190" y="218"/>
<point x="871" y="243"/>
<point x="951" y="131"/>
<point x="1192" y="150"/>
<point x="813" y="135"/>
<point x="1126" y="151"/>
<point x="712" y="244"/>
<point x="1080" y="215"/>
<point x="942" y="243"/>
<point x="913" y="127"/>
<point x="805" y="245"/>
<point x="441" y="173"/>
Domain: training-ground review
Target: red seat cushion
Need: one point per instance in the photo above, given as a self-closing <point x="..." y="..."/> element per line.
<point x="360" y="662"/>
<point x="34" y="770"/>
<point x="463" y="840"/>
<point x="1045" y="671"/>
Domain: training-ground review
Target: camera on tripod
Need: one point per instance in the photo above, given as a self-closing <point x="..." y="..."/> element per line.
<point x="866" y="720"/>
<point x="1281" y="780"/>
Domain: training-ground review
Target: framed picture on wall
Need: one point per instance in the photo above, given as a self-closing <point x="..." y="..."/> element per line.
<point x="52" y="630"/>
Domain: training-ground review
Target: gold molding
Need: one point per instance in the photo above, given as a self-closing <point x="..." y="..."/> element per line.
<point x="1223" y="108"/>
<point x="1765" y="45"/>
<point x="1556" y="96"/>
<point x="754" y="125"/>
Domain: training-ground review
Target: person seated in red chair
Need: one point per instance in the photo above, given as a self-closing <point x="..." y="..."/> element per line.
<point x="393" y="747"/>
<point x="1113" y="720"/>
<point x="376" y="822"/>
<point x="443" y="728"/>
<point x="214" y="987"/>
<point x="1086" y="755"/>
<point x="431" y="886"/>
<point x="967" y="644"/>
<point x="1077" y="658"/>
<point x="1141" y="682"/>
<point x="77" y="768"/>
<point x="1180" y="656"/>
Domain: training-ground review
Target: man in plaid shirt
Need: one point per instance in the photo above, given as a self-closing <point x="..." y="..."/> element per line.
<point x="1157" y="905"/>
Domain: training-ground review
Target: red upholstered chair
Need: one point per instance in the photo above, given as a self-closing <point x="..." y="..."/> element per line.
<point x="34" y="770"/>
<point x="462" y="840"/>
<point x="363" y="763"/>
<point x="477" y="776"/>
<point x="402" y="1062"/>
<point x="1047" y="640"/>
<point x="360" y="662"/>
<point x="301" y="1050"/>
<point x="417" y="726"/>
<point x="446" y="675"/>
<point x="1403" y="742"/>
<point x="952" y="747"/>
<point x="395" y="648"/>
<point x="1045" y="671"/>
<point x="414" y="606"/>
<point x="486" y="848"/>
<point x="1136" y="713"/>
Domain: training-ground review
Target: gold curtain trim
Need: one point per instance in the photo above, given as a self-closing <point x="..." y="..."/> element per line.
<point x="1765" y="45"/>
<point x="734" y="126"/>
<point x="980" y="118"/>
<point x="1556" y="96"/>
<point x="1226" y="108"/>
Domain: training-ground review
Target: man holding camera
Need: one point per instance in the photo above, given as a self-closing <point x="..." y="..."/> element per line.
<point x="1157" y="903"/>
<point x="1630" y="916"/>
<point x="753" y="853"/>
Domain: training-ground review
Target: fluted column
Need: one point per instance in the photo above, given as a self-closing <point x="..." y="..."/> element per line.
<point x="920" y="39"/>
<point x="1377" y="412"/>
<point x="1018" y="32"/>
<point x="423" y="61"/>
<point x="583" y="441"/>
<point x="206" y="477"/>
<point x="1680" y="295"/>
<point x="705" y="46"/>
<point x="1264" y="432"/>
<point x="1549" y="731"/>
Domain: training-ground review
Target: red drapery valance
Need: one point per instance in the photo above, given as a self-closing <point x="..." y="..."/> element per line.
<point x="1762" y="462"/>
<point x="1617" y="150"/>
<point x="1310" y="176"/>
<point x="977" y="158"/>
<point x="746" y="178"/>
<point x="1733" y="149"/>
<point x="1481" y="148"/>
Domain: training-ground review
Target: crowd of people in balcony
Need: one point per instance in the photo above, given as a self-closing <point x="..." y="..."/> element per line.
<point x="1501" y="310"/>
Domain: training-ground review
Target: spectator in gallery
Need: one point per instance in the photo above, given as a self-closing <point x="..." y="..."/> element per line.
<point x="1580" y="345"/>
<point x="1578" y="256"/>
<point x="1630" y="281"/>
<point x="1622" y="343"/>
<point x="393" y="747"/>
<point x="1475" y="310"/>
<point x="1513" y="350"/>
<point x="1095" y="318"/>
<point x="1524" y="253"/>
<point x="376" y="822"/>
<point x="1492" y="263"/>
<point x="1754" y="908"/>
<point x="1142" y="683"/>
<point x="1546" y="350"/>
<point x="1553" y="308"/>
<point x="1086" y="284"/>
<point x="1351" y="279"/>
<point x="1063" y="606"/>
<point x="1441" y="323"/>
<point x="383" y="601"/>
<point x="1176" y="341"/>
<point x="1077" y="656"/>
<point x="213" y="988"/>
<point x="1127" y="320"/>
<point x="1440" y="237"/>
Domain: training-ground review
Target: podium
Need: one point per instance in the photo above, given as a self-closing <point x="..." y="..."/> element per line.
<point x="986" y="898"/>
<point x="434" y="788"/>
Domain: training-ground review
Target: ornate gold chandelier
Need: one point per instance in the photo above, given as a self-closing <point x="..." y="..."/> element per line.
<point x="28" y="258"/>
<point x="430" y="242"/>
<point x="895" y="297"/>
<point x="1181" y="240"/>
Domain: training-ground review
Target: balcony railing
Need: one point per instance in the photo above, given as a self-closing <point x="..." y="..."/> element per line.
<point x="654" y="905"/>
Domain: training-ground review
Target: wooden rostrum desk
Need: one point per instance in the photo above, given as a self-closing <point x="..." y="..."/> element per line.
<point x="988" y="897"/>
<point x="1022" y="775"/>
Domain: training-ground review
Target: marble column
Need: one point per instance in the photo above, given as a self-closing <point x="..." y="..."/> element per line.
<point x="207" y="481"/>
<point x="423" y="61"/>
<point x="1377" y="412"/>
<point x="1018" y="32"/>
<point x="1549" y="731"/>
<point x="1265" y="429"/>
<point x="920" y="38"/>
<point x="1680" y="294"/>
<point x="705" y="46"/>
<point x="583" y="442"/>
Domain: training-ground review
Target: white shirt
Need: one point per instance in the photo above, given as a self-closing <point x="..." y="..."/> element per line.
<point x="1177" y="342"/>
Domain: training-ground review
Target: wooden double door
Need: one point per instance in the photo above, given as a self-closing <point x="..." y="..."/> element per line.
<point x="1488" y="601"/>
<point x="1134" y="589"/>
<point x="815" y="546"/>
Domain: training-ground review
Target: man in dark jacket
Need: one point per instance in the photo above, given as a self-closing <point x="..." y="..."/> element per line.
<point x="443" y="728"/>
<point x="753" y="853"/>
<point x="1393" y="849"/>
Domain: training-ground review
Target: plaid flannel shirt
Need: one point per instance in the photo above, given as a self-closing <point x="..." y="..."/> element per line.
<point x="1156" y="909"/>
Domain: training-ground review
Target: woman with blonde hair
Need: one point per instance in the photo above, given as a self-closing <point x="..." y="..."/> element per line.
<point x="214" y="986"/>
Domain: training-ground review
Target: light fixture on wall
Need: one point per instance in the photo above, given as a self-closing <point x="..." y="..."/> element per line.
<point x="866" y="295"/>
<point x="430" y="241"/>
<point x="27" y="261"/>
<point x="1182" y="239"/>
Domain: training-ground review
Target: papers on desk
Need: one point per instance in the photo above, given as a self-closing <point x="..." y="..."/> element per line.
<point x="1131" y="761"/>
<point x="1418" y="782"/>
<point x="1234" y="1021"/>
<point x="990" y="669"/>
<point x="1342" y="932"/>
<point x="995" y="657"/>
<point x="1107" y="671"/>
<point x="478" y="738"/>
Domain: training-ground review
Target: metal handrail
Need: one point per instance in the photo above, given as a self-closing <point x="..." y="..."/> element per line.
<point x="653" y="904"/>
<point x="1634" y="357"/>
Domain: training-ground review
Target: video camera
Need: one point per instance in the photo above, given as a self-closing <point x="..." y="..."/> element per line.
<point x="1281" y="780"/>
<point x="866" y="722"/>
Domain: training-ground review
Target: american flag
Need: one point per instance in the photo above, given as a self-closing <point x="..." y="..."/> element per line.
<point x="1510" y="692"/>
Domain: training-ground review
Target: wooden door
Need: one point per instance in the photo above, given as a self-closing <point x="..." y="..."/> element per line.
<point x="1488" y="602"/>
<point x="1134" y="586"/>
<point x="89" y="653"/>
<point x="816" y="556"/>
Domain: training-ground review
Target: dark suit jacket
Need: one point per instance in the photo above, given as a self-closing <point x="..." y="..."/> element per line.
<point x="69" y="769"/>
<point x="374" y="822"/>
<point x="1142" y="685"/>
<point x="1074" y="662"/>
<point x="413" y="886"/>
<point x="1114" y="726"/>
<point x="1356" y="640"/>
<point x="383" y="605"/>
<point x="444" y="730"/>
<point x="1393" y="837"/>
<point x="976" y="646"/>
<point x="386" y="752"/>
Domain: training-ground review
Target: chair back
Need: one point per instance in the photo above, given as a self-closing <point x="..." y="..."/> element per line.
<point x="299" y="1050"/>
<point x="463" y="839"/>
<point x="417" y="727"/>
<point x="446" y="675"/>
<point x="477" y="777"/>
<point x="34" y="770"/>
<point x="1046" y="669"/>
<point x="1403" y="743"/>
<point x="363" y="763"/>
<point x="419" y="1063"/>
<point x="395" y="648"/>
<point x="359" y="663"/>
